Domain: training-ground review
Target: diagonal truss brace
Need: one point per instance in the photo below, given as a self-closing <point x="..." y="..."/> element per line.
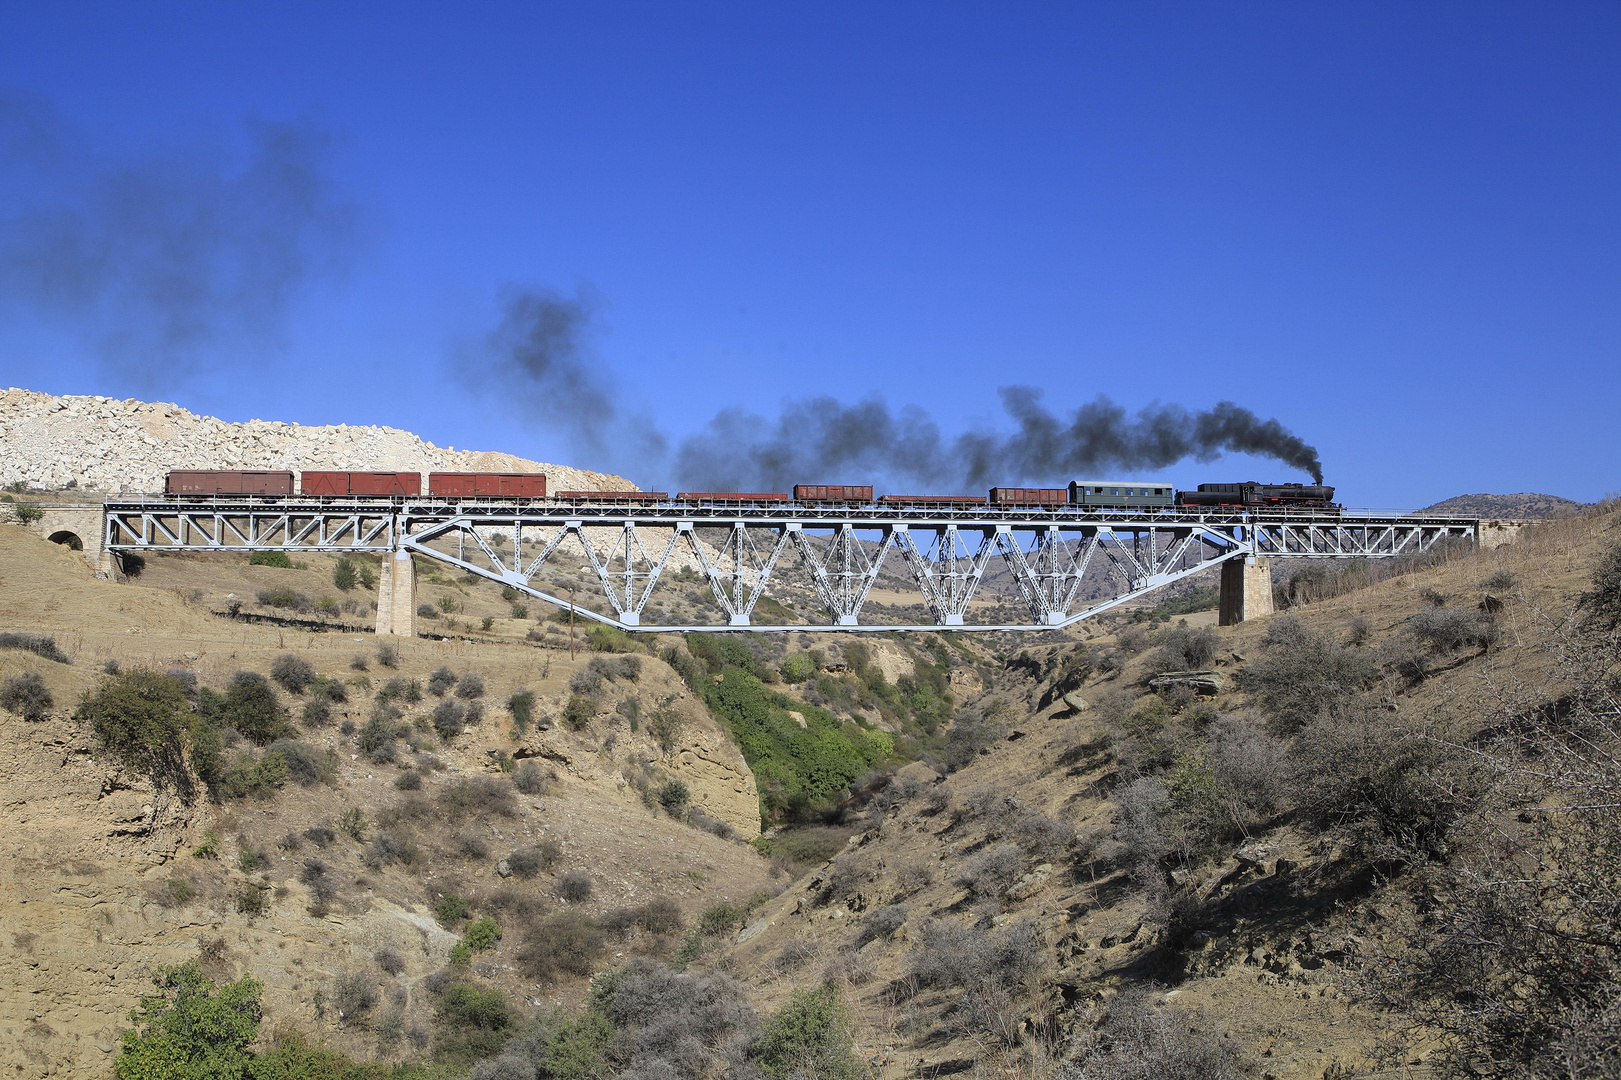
<point x="844" y="575"/>
<point x="948" y="575"/>
<point x="737" y="587"/>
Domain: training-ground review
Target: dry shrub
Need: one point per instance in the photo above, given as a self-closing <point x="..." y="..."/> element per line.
<point x="294" y="673"/>
<point x="955" y="954"/>
<point x="27" y="696"/>
<point x="526" y="862"/>
<point x="568" y="943"/>
<point x="1304" y="675"/>
<point x="1045" y="838"/>
<point x="477" y="797"/>
<point x="573" y="887"/>
<point x="882" y="923"/>
<point x="1141" y="1041"/>
<point x="989" y="874"/>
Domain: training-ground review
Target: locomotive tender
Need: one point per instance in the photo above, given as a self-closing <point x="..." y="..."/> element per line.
<point x="1156" y="495"/>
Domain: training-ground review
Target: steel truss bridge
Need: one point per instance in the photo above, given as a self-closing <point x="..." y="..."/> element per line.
<point x="1067" y="565"/>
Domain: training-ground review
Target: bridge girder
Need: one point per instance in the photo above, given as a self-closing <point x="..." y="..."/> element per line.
<point x="1050" y="558"/>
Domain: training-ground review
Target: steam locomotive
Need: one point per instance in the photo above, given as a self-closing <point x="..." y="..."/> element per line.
<point x="1080" y="494"/>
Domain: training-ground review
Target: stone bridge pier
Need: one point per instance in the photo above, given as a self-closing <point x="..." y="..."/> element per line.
<point x="81" y="529"/>
<point x="397" y="595"/>
<point x="1246" y="589"/>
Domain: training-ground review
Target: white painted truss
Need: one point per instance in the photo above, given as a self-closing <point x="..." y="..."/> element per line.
<point x="617" y="556"/>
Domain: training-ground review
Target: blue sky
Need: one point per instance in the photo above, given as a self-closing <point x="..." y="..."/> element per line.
<point x="1393" y="228"/>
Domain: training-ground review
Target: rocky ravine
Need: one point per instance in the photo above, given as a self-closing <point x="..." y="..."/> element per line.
<point x="112" y="445"/>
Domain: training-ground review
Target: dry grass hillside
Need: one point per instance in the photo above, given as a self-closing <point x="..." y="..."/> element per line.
<point x="102" y="880"/>
<point x="994" y="918"/>
<point x="1060" y="855"/>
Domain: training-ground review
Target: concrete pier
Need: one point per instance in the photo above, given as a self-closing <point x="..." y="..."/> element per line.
<point x="1246" y="590"/>
<point x="397" y="595"/>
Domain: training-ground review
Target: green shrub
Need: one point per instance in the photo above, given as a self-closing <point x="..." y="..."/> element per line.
<point x="451" y="909"/>
<point x="294" y="673"/>
<point x="28" y="513"/>
<point x="798" y="667"/>
<point x="277" y="559"/>
<point x="468" y="1006"/>
<point x="249" y="776"/>
<point x="522" y="707"/>
<point x="809" y="1036"/>
<point x="141" y="718"/>
<point x="673" y="796"/>
<point x="27" y="696"/>
<point x="1603" y="601"/>
<point x="251" y="706"/>
<point x="483" y="934"/>
<point x="344" y="577"/>
<point x="353" y="823"/>
<point x="579" y="710"/>
<point x="461" y="954"/>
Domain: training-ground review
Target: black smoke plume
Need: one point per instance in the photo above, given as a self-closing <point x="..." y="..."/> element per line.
<point x="156" y="258"/>
<point x="825" y="441"/>
<point x="538" y="360"/>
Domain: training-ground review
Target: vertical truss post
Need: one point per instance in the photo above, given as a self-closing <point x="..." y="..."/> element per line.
<point x="844" y="575"/>
<point x="948" y="575"/>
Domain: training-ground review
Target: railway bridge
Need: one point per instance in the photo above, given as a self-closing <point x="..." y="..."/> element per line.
<point x="961" y="568"/>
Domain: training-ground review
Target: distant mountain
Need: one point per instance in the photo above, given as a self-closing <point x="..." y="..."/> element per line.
<point x="1526" y="504"/>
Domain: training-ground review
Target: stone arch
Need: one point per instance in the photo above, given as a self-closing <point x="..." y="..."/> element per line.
<point x="71" y="539"/>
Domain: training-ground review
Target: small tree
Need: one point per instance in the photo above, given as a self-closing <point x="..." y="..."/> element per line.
<point x="191" y="1029"/>
<point x="343" y="574"/>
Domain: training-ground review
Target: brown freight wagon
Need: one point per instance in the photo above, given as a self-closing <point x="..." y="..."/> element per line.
<point x="933" y="500"/>
<point x="612" y="496"/>
<point x="840" y="493"/>
<point x="466" y="485"/>
<point x="396" y="484"/>
<point x="1004" y="496"/>
<point x="732" y="496"/>
<point x="228" y="482"/>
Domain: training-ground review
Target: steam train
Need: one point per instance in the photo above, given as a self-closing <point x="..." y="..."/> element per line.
<point x="1079" y="495"/>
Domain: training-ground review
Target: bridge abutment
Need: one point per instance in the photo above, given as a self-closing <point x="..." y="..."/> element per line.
<point x="397" y="595"/>
<point x="1246" y="589"/>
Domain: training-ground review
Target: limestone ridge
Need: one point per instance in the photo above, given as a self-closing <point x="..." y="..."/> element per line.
<point x="112" y="445"/>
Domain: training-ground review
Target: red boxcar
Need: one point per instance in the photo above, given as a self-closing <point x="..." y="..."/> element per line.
<point x="228" y="482"/>
<point x="732" y="496"/>
<point x="933" y="500"/>
<point x="840" y="493"/>
<point x="361" y="483"/>
<point x="1001" y="496"/>
<point x="468" y="485"/>
<point x="612" y="496"/>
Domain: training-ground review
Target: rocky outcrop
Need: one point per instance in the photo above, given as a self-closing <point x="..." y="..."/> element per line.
<point x="118" y="446"/>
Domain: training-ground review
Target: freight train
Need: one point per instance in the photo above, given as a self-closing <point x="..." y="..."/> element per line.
<point x="454" y="486"/>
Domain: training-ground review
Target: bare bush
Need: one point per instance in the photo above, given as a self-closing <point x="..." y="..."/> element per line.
<point x="954" y="954"/>
<point x="1249" y="763"/>
<point x="1043" y="837"/>
<point x="1446" y="630"/>
<point x="1182" y="648"/>
<point x="352" y="996"/>
<point x="441" y="682"/>
<point x="529" y="778"/>
<point x="470" y="686"/>
<point x="882" y="923"/>
<point x="27" y="696"/>
<point x="1143" y="1042"/>
<point x="991" y="872"/>
<point x="389" y="960"/>
<point x="477" y="797"/>
<point x="294" y="673"/>
<point x="568" y="943"/>
<point x="574" y="887"/>
<point x="526" y="862"/>
<point x="1304" y="675"/>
